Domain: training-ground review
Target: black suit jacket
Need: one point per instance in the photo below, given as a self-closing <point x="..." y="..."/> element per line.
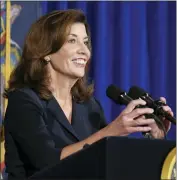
<point x="36" y="130"/>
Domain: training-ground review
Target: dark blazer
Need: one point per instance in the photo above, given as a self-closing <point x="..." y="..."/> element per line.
<point x="36" y="130"/>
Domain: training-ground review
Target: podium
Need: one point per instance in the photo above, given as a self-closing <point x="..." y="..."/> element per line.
<point x="112" y="158"/>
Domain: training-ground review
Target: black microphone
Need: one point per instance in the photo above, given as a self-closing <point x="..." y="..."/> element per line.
<point x="120" y="97"/>
<point x="136" y="92"/>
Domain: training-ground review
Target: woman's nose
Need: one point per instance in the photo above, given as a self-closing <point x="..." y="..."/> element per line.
<point x="83" y="49"/>
<point x="80" y="51"/>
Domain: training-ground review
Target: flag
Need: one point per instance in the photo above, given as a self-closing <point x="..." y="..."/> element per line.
<point x="10" y="55"/>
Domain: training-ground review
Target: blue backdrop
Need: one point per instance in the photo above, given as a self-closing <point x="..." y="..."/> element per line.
<point x="134" y="43"/>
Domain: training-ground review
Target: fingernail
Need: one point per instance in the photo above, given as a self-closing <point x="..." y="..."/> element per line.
<point x="151" y="110"/>
<point x="153" y="120"/>
<point x="144" y="102"/>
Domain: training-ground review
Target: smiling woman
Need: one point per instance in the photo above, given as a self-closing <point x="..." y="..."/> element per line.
<point x="56" y="29"/>
<point x="51" y="111"/>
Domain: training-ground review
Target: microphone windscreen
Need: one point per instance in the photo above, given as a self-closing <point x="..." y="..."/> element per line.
<point x="114" y="93"/>
<point x="136" y="92"/>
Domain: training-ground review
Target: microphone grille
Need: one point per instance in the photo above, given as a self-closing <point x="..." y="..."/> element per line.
<point x="136" y="92"/>
<point x="114" y="93"/>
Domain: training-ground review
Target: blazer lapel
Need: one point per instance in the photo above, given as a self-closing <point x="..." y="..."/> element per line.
<point x="56" y="111"/>
<point x="80" y="120"/>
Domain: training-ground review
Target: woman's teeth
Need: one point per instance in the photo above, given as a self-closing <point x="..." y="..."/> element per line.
<point x="79" y="61"/>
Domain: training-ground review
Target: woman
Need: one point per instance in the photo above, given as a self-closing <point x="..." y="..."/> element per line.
<point x="51" y="112"/>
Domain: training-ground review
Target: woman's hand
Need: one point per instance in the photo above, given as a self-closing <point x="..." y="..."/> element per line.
<point x="131" y="120"/>
<point x="157" y="132"/>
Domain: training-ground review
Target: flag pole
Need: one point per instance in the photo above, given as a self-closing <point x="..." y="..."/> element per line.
<point x="8" y="49"/>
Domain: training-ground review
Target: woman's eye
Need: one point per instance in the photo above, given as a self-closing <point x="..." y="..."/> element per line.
<point x="86" y="43"/>
<point x="72" y="41"/>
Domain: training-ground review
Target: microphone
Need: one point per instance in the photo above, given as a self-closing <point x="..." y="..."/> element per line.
<point x="120" y="97"/>
<point x="136" y="92"/>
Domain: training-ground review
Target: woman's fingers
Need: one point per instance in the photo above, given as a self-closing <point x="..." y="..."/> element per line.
<point x="142" y="117"/>
<point x="132" y="105"/>
<point x="139" y="112"/>
<point x="140" y="129"/>
<point x="168" y="109"/>
<point x="142" y="122"/>
<point x="167" y="125"/>
<point x="163" y="100"/>
<point x="141" y="125"/>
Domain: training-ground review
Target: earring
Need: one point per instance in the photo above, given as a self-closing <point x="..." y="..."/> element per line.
<point x="47" y="59"/>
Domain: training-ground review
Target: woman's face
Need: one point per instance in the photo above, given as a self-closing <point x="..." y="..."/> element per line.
<point x="70" y="60"/>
